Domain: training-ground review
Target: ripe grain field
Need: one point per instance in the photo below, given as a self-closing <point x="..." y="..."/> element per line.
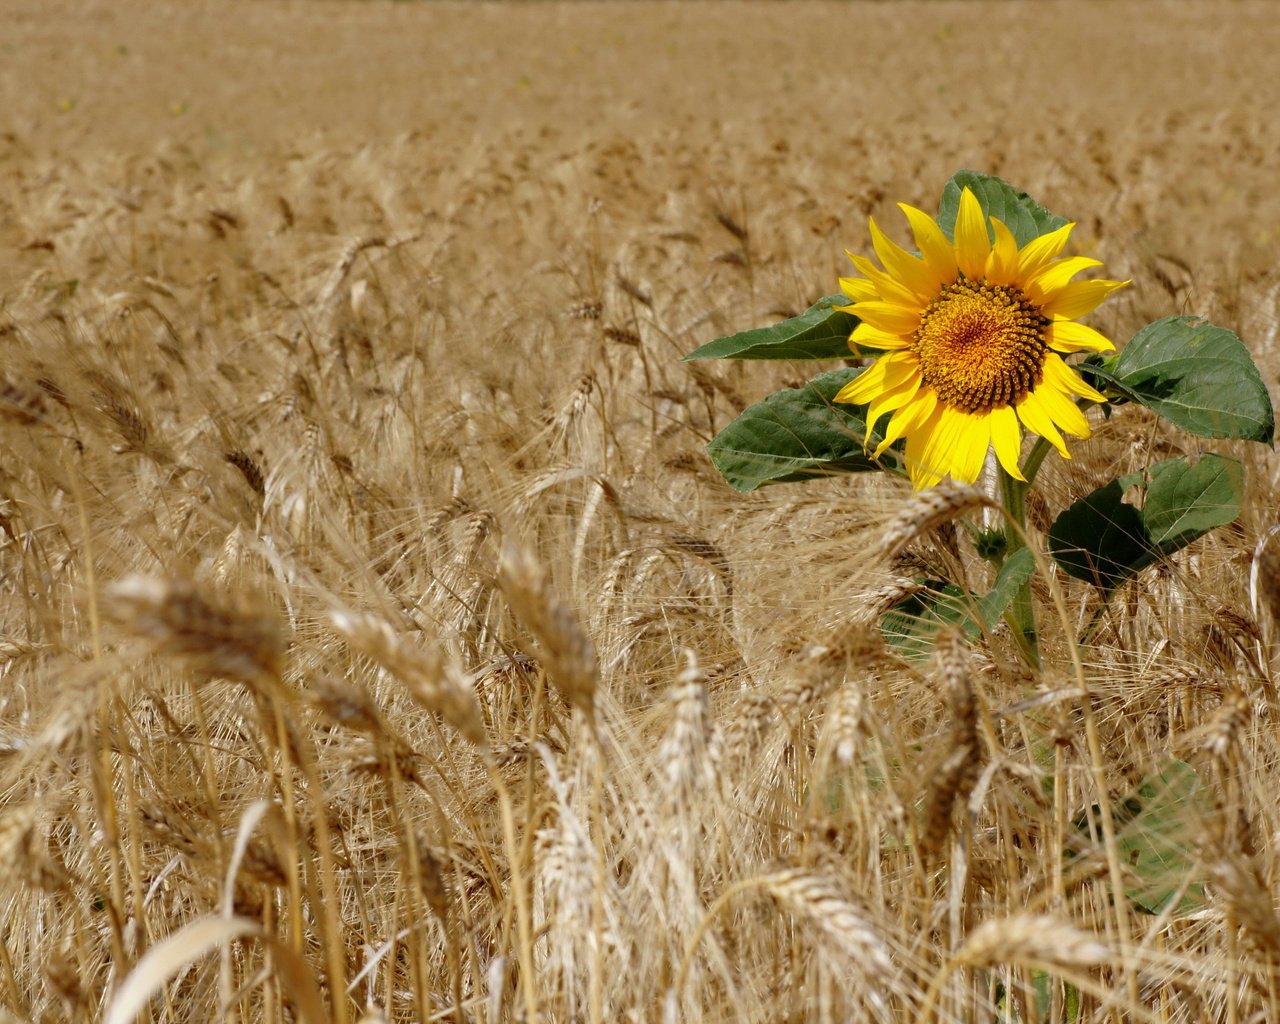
<point x="377" y="641"/>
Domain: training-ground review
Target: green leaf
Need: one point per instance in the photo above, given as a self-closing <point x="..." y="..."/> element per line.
<point x="1157" y="828"/>
<point x="820" y="332"/>
<point x="1104" y="540"/>
<point x="1021" y="214"/>
<point x="1185" y="502"/>
<point x="1198" y="376"/>
<point x="794" y="435"/>
<point x="1101" y="539"/>
<point x="1017" y="569"/>
<point x="912" y="626"/>
<point x="1044" y="984"/>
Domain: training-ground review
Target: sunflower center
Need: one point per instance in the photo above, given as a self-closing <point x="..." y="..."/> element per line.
<point x="981" y="345"/>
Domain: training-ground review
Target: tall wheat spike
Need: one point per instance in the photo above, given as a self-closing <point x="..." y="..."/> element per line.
<point x="429" y="676"/>
<point x="959" y="767"/>
<point x="237" y="643"/>
<point x="568" y="652"/>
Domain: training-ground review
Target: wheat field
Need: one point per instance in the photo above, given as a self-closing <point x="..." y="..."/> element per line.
<point x="377" y="641"/>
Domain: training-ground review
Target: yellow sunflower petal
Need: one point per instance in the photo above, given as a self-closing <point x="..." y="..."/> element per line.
<point x="1039" y="251"/>
<point x="873" y="337"/>
<point x="922" y="474"/>
<point x="888" y="371"/>
<point x="908" y="418"/>
<point x="937" y="250"/>
<point x="1053" y="278"/>
<point x="1079" y="298"/>
<point x="1071" y="336"/>
<point x="910" y="270"/>
<point x="1066" y="380"/>
<point x="887" y="316"/>
<point x="1002" y="264"/>
<point x="1064" y="412"/>
<point x="971" y="447"/>
<point x="1037" y="420"/>
<point x="894" y="396"/>
<point x="945" y="442"/>
<point x="859" y="289"/>
<point x="973" y="244"/>
<point x="889" y="289"/>
<point x="1006" y="439"/>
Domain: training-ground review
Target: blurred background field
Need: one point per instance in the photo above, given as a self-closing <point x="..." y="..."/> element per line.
<point x="307" y="308"/>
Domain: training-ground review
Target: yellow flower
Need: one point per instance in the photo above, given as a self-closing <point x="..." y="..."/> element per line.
<point x="973" y="334"/>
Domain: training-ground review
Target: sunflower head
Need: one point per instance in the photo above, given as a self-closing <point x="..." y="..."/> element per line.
<point x="973" y="334"/>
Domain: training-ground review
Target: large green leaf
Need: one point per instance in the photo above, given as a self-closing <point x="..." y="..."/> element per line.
<point x="1157" y="828"/>
<point x="796" y="434"/>
<point x="1021" y="214"/>
<point x="1185" y="502"/>
<point x="1104" y="540"/>
<point x="820" y="332"/>
<point x="1196" y="375"/>
<point x="911" y="626"/>
<point x="1101" y="538"/>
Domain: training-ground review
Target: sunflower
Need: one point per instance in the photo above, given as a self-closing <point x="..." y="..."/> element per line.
<point x="973" y="334"/>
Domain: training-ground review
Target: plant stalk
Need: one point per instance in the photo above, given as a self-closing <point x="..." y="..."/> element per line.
<point x="1022" y="614"/>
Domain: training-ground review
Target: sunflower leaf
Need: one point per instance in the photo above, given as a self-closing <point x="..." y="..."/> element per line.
<point x="1104" y="540"/>
<point x="1017" y="569"/>
<point x="1198" y="376"/>
<point x="911" y="626"/>
<point x="1158" y="827"/>
<point x="820" y="332"/>
<point x="795" y="434"/>
<point x="1185" y="502"/>
<point x="1021" y="214"/>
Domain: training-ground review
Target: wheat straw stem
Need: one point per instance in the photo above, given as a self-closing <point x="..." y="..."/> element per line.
<point x="276" y="729"/>
<point x="596" y="994"/>
<point x="708" y="918"/>
<point x="1097" y="768"/>
<point x="336" y="961"/>
<point x="1264" y="582"/>
<point x="1230" y="926"/>
<point x="102" y="774"/>
<point x="135" y="850"/>
<point x="446" y="835"/>
<point x="519" y="892"/>
<point x="253" y="814"/>
<point x="1059" y="823"/>
<point x="418" y="897"/>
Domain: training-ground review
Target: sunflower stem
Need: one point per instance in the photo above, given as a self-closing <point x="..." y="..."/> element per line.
<point x="1022" y="614"/>
<point x="1032" y="466"/>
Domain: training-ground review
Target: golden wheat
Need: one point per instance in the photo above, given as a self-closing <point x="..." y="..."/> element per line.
<point x="378" y="641"/>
